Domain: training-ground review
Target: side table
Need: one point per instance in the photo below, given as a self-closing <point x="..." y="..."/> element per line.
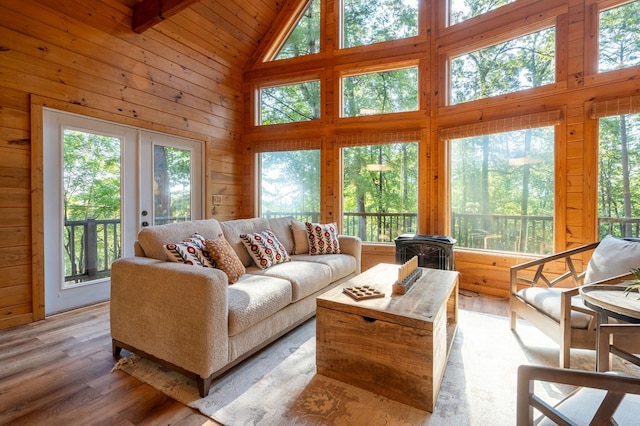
<point x="611" y="301"/>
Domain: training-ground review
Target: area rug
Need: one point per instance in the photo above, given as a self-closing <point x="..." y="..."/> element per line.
<point x="279" y="385"/>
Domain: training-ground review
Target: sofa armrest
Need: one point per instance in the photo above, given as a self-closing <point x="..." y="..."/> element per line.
<point x="353" y="246"/>
<point x="175" y="312"/>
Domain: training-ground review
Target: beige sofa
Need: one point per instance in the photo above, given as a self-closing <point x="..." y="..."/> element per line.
<point x="190" y="319"/>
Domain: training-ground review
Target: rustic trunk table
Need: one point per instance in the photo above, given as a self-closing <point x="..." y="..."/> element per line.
<point x="396" y="346"/>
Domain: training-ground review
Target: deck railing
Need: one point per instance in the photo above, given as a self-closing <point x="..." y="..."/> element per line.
<point x="92" y="245"/>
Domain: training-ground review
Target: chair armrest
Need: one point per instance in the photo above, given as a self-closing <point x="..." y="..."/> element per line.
<point x="617" y="385"/>
<point x="175" y="312"/>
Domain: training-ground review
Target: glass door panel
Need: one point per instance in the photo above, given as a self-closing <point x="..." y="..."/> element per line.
<point x="171" y="184"/>
<point x="91" y="196"/>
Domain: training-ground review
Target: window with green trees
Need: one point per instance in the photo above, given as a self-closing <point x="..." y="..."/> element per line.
<point x="290" y="184"/>
<point x="461" y="10"/>
<point x="619" y="39"/>
<point x="290" y="103"/>
<point x="619" y="176"/>
<point x="502" y="191"/>
<point x="380" y="190"/>
<point x="366" y="22"/>
<point x="518" y="64"/>
<point x="92" y="203"/>
<point x="304" y="39"/>
<point x="380" y="92"/>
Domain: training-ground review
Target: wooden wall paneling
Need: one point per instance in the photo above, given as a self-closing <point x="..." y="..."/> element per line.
<point x="84" y="58"/>
<point x="575" y="44"/>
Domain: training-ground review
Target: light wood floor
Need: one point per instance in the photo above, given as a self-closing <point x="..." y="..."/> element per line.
<point x="58" y="372"/>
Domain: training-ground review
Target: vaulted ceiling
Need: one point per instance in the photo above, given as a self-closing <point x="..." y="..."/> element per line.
<point x="229" y="30"/>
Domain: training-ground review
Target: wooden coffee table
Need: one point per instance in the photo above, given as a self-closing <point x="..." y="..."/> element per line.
<point x="396" y="346"/>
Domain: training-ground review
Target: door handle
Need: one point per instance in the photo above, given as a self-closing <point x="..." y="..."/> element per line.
<point x="145" y="223"/>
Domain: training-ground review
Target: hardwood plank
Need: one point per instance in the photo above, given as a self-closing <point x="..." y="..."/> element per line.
<point x="58" y="371"/>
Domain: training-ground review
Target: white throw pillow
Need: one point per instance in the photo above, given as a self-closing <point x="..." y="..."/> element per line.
<point x="611" y="258"/>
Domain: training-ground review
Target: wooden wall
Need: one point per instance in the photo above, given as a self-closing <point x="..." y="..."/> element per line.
<point x="577" y="86"/>
<point x="183" y="76"/>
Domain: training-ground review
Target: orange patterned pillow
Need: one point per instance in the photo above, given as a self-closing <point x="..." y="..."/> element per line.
<point x="226" y="259"/>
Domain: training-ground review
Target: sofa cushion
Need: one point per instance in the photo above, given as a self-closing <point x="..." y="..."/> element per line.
<point x="265" y="249"/>
<point x="323" y="238"/>
<point x="341" y="265"/>
<point x="300" y="238"/>
<point x="281" y="226"/>
<point x="232" y="230"/>
<point x="152" y="239"/>
<point x="225" y="258"/>
<point x="305" y="277"/>
<point x="611" y="258"/>
<point x="253" y="298"/>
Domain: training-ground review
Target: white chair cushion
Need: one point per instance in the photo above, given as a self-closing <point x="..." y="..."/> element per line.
<point x="547" y="300"/>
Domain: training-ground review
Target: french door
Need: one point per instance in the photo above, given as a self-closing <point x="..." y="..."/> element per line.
<point x="103" y="182"/>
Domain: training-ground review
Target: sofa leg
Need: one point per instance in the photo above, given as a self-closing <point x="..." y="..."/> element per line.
<point x="203" y="385"/>
<point x="115" y="349"/>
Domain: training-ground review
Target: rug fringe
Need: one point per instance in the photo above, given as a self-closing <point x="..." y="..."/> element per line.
<point x="119" y="365"/>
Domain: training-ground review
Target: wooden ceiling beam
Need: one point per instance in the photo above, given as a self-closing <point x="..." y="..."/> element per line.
<point x="148" y="13"/>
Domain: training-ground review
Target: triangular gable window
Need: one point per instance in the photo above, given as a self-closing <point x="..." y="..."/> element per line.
<point x="304" y="39"/>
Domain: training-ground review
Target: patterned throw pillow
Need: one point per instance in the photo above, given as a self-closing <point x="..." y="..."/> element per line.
<point x="226" y="258"/>
<point x="190" y="251"/>
<point x="323" y="239"/>
<point x="265" y="249"/>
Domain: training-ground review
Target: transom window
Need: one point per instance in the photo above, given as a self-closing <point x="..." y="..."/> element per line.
<point x="502" y="191"/>
<point x="380" y="92"/>
<point x="290" y="103"/>
<point x="461" y="10"/>
<point x="619" y="38"/>
<point x="366" y="22"/>
<point x="304" y="39"/>
<point x="518" y="64"/>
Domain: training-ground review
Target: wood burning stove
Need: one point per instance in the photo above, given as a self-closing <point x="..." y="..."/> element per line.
<point x="433" y="251"/>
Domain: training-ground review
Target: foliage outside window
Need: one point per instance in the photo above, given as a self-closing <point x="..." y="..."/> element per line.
<point x="619" y="176"/>
<point x="619" y="39"/>
<point x="290" y="184"/>
<point x="171" y="184"/>
<point x="502" y="191"/>
<point x="366" y="22"/>
<point x="462" y="10"/>
<point x="517" y="64"/>
<point x="305" y="37"/>
<point x="91" y="185"/>
<point x="380" y="92"/>
<point x="290" y="103"/>
<point x="380" y="184"/>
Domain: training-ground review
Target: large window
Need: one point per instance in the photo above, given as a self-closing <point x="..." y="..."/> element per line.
<point x="380" y="92"/>
<point x="619" y="176"/>
<point x="290" y="103"/>
<point x="366" y="22"/>
<point x="461" y="10"/>
<point x="517" y="64"/>
<point x="290" y="184"/>
<point x="619" y="40"/>
<point x="502" y="191"/>
<point x="380" y="184"/>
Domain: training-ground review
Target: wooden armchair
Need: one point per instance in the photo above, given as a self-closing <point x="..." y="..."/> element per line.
<point x="545" y="293"/>
<point x="600" y="399"/>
